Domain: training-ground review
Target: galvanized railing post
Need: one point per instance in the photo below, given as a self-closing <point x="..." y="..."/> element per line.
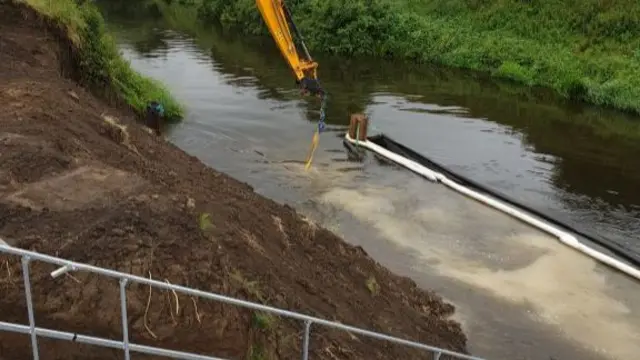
<point x="124" y="279"/>
<point x="27" y="293"/>
<point x="125" y="321"/>
<point x="305" y="344"/>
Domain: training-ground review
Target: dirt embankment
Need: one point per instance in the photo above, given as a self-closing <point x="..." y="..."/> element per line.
<point x="82" y="181"/>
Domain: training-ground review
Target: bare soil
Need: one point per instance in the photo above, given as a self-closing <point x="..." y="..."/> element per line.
<point x="82" y="180"/>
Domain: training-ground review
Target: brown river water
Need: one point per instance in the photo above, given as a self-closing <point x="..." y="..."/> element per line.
<point x="520" y="294"/>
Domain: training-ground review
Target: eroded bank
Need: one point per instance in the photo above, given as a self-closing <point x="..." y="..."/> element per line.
<point x="82" y="180"/>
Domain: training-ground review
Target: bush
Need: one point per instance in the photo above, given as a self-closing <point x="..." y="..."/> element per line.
<point x="240" y="15"/>
<point x="587" y="50"/>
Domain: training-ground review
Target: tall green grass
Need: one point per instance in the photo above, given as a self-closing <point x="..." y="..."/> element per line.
<point x="586" y="50"/>
<point x="101" y="64"/>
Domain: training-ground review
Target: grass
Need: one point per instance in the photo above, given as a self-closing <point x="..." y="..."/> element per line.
<point x="204" y="222"/>
<point x="257" y="352"/>
<point x="252" y="288"/>
<point x="373" y="286"/>
<point x="351" y="82"/>
<point x="585" y="50"/>
<point x="101" y="64"/>
<point x="263" y="320"/>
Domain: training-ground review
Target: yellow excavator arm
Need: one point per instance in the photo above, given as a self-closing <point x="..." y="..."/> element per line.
<point x="278" y="19"/>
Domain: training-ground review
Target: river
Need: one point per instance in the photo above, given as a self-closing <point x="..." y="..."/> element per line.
<point x="519" y="293"/>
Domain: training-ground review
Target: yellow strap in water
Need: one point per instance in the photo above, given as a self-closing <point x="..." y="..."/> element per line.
<point x="314" y="144"/>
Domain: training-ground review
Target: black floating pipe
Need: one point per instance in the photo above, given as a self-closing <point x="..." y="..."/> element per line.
<point x="395" y="147"/>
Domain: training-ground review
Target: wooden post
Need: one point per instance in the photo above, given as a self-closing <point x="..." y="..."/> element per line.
<point x="358" y="124"/>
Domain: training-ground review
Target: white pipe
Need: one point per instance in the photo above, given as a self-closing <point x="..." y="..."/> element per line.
<point x="564" y="237"/>
<point x="411" y="165"/>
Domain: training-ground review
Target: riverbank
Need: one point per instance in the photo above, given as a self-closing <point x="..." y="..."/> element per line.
<point x="81" y="180"/>
<point x="97" y="63"/>
<point x="586" y="52"/>
<point x="339" y="75"/>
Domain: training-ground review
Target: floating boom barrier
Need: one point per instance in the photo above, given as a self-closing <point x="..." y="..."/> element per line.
<point x="388" y="148"/>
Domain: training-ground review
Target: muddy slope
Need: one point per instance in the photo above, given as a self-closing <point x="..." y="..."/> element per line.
<point x="82" y="181"/>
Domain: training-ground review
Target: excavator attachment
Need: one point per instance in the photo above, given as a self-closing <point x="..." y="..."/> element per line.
<point x="278" y="19"/>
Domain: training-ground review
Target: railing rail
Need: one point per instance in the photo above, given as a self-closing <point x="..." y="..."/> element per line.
<point x="127" y="347"/>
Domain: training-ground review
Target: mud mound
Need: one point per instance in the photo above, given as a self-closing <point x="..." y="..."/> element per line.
<point x="83" y="181"/>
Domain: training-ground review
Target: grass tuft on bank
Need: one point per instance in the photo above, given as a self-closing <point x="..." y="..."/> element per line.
<point x="100" y="61"/>
<point x="586" y="50"/>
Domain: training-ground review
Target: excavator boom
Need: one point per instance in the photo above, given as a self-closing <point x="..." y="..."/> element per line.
<point x="278" y="19"/>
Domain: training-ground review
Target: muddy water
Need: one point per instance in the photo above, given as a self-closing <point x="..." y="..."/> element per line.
<point x="520" y="294"/>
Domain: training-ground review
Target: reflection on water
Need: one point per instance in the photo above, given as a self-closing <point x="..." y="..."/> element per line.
<point x="246" y="118"/>
<point x="576" y="162"/>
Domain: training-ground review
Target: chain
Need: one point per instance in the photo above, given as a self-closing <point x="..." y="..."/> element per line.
<point x="320" y="128"/>
<point x="323" y="114"/>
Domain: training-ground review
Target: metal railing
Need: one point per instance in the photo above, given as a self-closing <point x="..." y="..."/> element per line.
<point x="128" y="347"/>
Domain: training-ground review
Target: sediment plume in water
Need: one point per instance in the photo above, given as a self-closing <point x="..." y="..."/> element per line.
<point x="490" y="252"/>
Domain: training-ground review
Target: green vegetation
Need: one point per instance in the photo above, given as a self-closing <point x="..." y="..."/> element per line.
<point x="373" y="286"/>
<point x="257" y="352"/>
<point x="265" y="323"/>
<point x="263" y="320"/>
<point x="204" y="221"/>
<point x="584" y="49"/>
<point x="100" y="61"/>
<point x="352" y="84"/>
